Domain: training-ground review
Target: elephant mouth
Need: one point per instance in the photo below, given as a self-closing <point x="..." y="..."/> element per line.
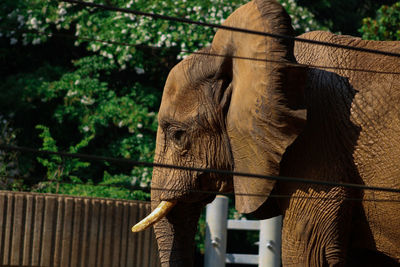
<point x="170" y="198"/>
<point x="156" y="215"/>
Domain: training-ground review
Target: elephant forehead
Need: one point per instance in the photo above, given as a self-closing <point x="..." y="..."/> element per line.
<point x="181" y="96"/>
<point x="179" y="106"/>
<point x="179" y="102"/>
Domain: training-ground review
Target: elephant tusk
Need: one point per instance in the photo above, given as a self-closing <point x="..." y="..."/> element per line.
<point x="157" y="214"/>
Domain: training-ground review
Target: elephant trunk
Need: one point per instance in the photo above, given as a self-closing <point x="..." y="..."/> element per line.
<point x="175" y="234"/>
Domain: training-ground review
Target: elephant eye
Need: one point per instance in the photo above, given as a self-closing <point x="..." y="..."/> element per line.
<point x="178" y="136"/>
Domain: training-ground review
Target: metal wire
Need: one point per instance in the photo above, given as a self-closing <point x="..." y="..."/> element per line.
<point x="221" y="172"/>
<point x="147" y="190"/>
<point x="89" y="39"/>
<point x="212" y="25"/>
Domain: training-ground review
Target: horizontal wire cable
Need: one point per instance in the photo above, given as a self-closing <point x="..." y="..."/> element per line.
<point x="200" y="52"/>
<point x="213" y="192"/>
<point x="184" y="168"/>
<point x="277" y="196"/>
<point x="229" y="28"/>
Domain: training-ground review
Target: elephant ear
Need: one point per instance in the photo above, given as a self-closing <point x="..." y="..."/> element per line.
<point x="264" y="116"/>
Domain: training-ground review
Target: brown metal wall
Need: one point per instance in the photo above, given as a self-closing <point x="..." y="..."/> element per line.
<point x="54" y="230"/>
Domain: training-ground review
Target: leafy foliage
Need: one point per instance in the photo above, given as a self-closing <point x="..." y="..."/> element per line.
<point x="8" y="166"/>
<point x="385" y="26"/>
<point x="302" y="19"/>
<point x="343" y="16"/>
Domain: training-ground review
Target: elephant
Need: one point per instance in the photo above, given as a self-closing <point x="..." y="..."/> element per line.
<point x="299" y="110"/>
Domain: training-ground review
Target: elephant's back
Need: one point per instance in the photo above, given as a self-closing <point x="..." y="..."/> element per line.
<point x="365" y="71"/>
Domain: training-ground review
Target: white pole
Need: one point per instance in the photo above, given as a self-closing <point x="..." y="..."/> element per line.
<point x="269" y="250"/>
<point x="216" y="223"/>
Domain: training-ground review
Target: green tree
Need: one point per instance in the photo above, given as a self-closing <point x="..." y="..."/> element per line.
<point x="385" y="25"/>
<point x="343" y="16"/>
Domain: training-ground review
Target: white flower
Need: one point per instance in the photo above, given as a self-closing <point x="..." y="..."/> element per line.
<point x="95" y="47"/>
<point x="139" y="70"/>
<point x="123" y="31"/>
<point x="120" y="124"/>
<point x="139" y="135"/>
<point x="151" y="114"/>
<point x="13" y="41"/>
<point x="86" y="128"/>
<point x="36" y="41"/>
<point x="87" y="100"/>
<point x="72" y="93"/>
<point x="62" y="11"/>
<point x="33" y="22"/>
<point x="139" y="125"/>
<point x="143" y="184"/>
<point x="76" y="82"/>
<point x="20" y="18"/>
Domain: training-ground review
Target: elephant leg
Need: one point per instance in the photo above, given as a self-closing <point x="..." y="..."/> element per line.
<point x="315" y="227"/>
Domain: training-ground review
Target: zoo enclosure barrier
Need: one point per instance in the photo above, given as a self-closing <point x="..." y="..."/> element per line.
<point x="217" y="224"/>
<point x="57" y="230"/>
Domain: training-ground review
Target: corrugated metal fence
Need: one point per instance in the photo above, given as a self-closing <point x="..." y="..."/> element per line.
<point x="55" y="230"/>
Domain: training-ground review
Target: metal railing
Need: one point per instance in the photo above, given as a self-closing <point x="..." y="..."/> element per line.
<point x="217" y="224"/>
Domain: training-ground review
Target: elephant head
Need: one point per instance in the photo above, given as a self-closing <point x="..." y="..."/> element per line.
<point x="225" y="112"/>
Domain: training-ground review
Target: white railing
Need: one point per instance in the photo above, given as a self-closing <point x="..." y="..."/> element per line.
<point x="217" y="224"/>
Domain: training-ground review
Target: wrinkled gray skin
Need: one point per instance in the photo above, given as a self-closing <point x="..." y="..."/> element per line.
<point x="271" y="118"/>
